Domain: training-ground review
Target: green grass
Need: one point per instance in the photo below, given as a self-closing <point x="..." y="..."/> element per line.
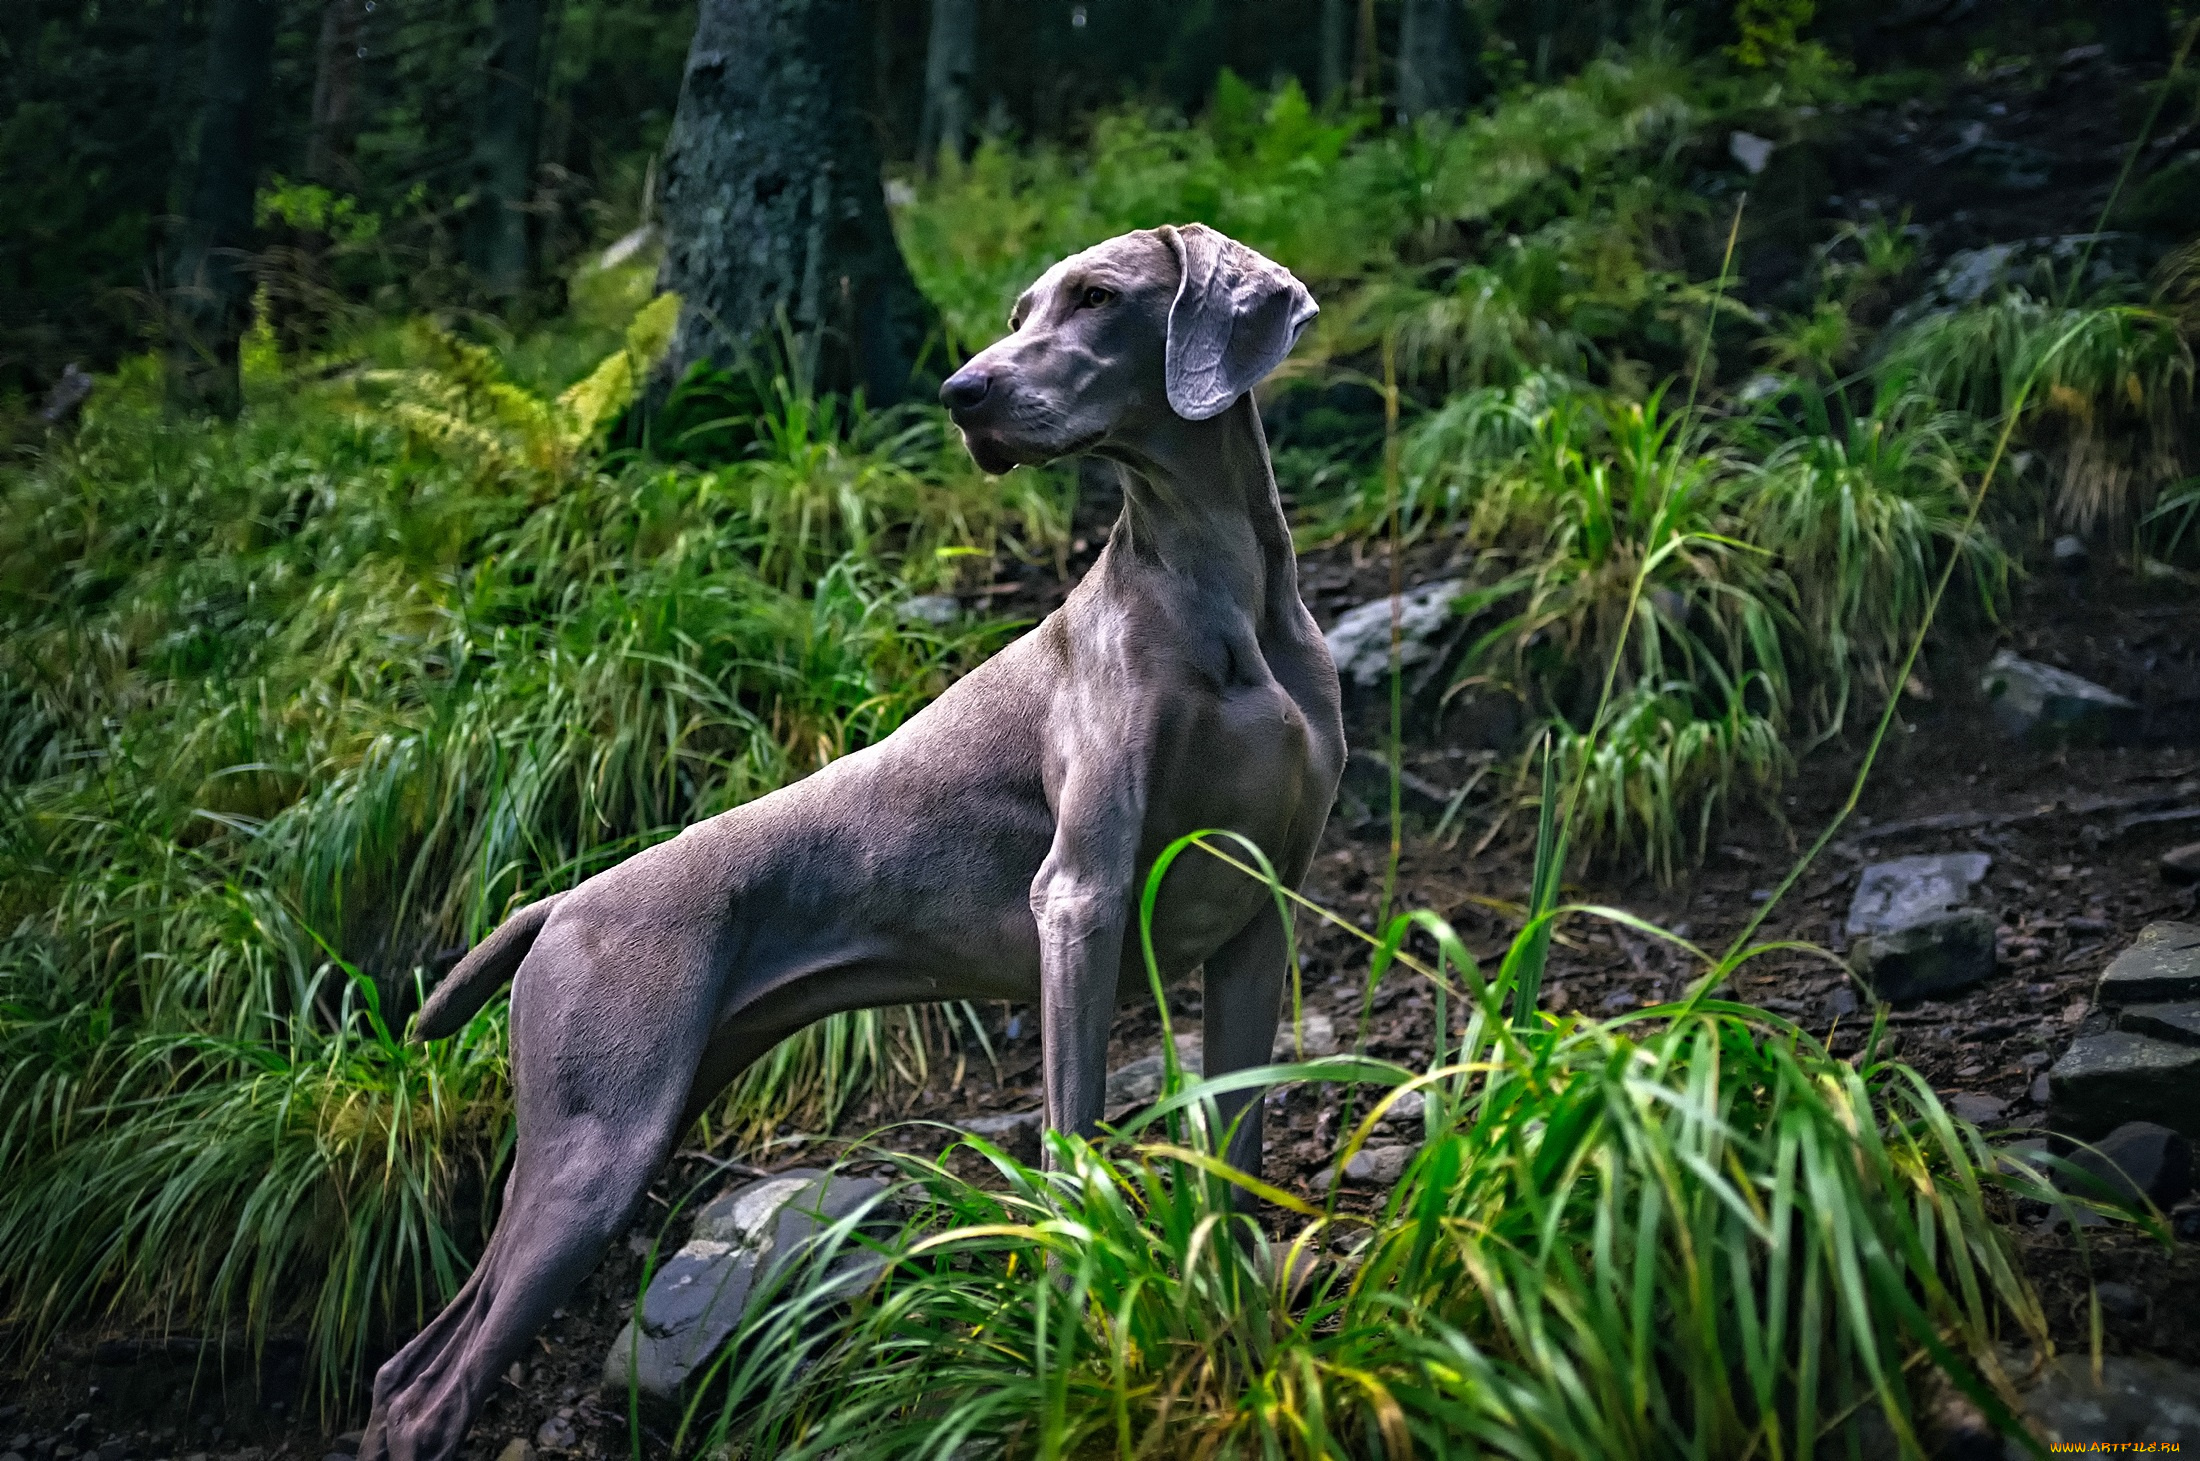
<point x="331" y="690"/>
<point x="1691" y="1232"/>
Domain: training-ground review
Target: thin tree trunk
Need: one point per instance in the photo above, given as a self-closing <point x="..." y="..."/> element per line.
<point x="1336" y="49"/>
<point x="504" y="149"/>
<point x="210" y="282"/>
<point x="1433" y="78"/>
<point x="773" y="208"/>
<point x="335" y="94"/>
<point x="950" y="79"/>
<point x="1367" y="78"/>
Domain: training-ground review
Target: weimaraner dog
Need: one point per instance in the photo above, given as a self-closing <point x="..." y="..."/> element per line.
<point x="992" y="848"/>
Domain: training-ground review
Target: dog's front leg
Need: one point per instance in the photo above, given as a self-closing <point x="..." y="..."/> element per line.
<point x="1081" y="899"/>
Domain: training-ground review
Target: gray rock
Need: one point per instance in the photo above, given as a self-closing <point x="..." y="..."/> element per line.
<point x="697" y="1297"/>
<point x="2041" y="264"/>
<point x="2141" y="1398"/>
<point x="1906" y="891"/>
<point x="2033" y="700"/>
<point x="1139" y="1083"/>
<point x="1934" y="957"/>
<point x="1371" y="1166"/>
<point x="2105" y="1080"/>
<point x="1753" y="152"/>
<point x="2138" y="1159"/>
<point x="2070" y="552"/>
<point x="556" y="1434"/>
<point x="1978" y="1108"/>
<point x="938" y="610"/>
<point x="1016" y="1132"/>
<point x="1316" y="1030"/>
<point x="2181" y="865"/>
<point x="2120" y="1300"/>
<point x="519" y="1448"/>
<point x="2175" y="1022"/>
<point x="2162" y="966"/>
<point x="1359" y="641"/>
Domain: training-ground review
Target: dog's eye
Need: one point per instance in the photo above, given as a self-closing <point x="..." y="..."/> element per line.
<point x="1094" y="296"/>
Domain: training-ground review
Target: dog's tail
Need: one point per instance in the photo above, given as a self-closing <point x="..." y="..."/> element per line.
<point x="485" y="970"/>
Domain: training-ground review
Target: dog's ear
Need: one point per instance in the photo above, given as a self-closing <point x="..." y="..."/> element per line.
<point x="1236" y="316"/>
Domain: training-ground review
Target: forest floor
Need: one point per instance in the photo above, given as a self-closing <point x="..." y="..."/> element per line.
<point x="2074" y="876"/>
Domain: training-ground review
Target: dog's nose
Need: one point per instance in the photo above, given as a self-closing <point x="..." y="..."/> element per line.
<point x="964" y="389"/>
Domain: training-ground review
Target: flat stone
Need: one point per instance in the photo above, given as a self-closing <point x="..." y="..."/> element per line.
<point x="1016" y="1132"/>
<point x="1935" y="957"/>
<point x="1371" y="1166"/>
<point x="2035" y="701"/>
<point x="1138" y="1083"/>
<point x="2138" y="1159"/>
<point x="2120" y="1300"/>
<point x="938" y="610"/>
<point x="556" y="1434"/>
<point x="1316" y="1030"/>
<point x="1750" y="150"/>
<point x="2105" y="1080"/>
<point x="2162" y="966"/>
<point x="1978" y="1108"/>
<point x="1359" y="641"/>
<point x="2140" y="1398"/>
<point x="2176" y="1022"/>
<point x="1904" y="891"/>
<point x="741" y="1239"/>
<point x="2181" y="865"/>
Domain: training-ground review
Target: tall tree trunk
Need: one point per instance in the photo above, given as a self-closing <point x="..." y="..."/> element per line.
<point x="1336" y="48"/>
<point x="1367" y="63"/>
<point x="504" y="149"/>
<point x="335" y="94"/>
<point x="1434" y="76"/>
<point x="210" y="282"/>
<point x="950" y="79"/>
<point x="2136" y="30"/>
<point x="773" y="207"/>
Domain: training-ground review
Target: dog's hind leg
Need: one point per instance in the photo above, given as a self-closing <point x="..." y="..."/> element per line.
<point x="1241" y="998"/>
<point x="604" y="1051"/>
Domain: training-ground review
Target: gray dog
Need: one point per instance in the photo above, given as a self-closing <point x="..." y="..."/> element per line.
<point x="992" y="848"/>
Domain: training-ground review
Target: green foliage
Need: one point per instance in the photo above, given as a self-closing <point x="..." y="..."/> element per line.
<point x="1770" y="30"/>
<point x="456" y="399"/>
<point x="1332" y="199"/>
<point x="1860" y="508"/>
<point x="1688" y="1233"/>
<point x="2115" y="390"/>
<point x="311" y="206"/>
<point x="333" y="688"/>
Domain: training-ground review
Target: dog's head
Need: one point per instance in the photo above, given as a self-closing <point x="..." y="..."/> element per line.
<point x="1181" y="320"/>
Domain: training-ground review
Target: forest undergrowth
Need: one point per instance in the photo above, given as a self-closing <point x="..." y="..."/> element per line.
<point x="293" y="708"/>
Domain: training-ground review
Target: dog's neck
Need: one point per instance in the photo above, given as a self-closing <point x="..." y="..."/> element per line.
<point x="1200" y="500"/>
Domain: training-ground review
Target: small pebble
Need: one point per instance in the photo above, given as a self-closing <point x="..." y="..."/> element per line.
<point x="2120" y="1300"/>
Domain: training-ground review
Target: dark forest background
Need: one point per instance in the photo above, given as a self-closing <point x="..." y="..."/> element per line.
<point x="386" y="139"/>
